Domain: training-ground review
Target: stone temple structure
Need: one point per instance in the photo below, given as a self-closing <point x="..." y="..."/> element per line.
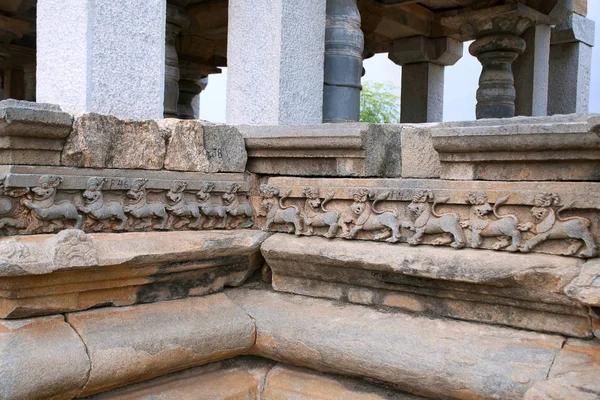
<point x="295" y="253"/>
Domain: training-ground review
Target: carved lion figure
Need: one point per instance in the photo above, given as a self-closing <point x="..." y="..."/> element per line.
<point x="140" y="208"/>
<point x="316" y="215"/>
<point x="366" y="217"/>
<point x="97" y="209"/>
<point x="481" y="225"/>
<point x="180" y="209"/>
<point x="550" y="225"/>
<point x="428" y="221"/>
<point x="272" y="207"/>
<point x="44" y="208"/>
<point x="236" y="209"/>
<point x="11" y="214"/>
<point x="208" y="208"/>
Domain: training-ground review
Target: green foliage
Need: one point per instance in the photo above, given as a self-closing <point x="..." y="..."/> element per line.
<point x="379" y="103"/>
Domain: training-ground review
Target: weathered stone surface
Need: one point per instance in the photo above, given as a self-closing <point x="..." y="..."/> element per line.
<point x="41" y="358"/>
<point x="574" y="374"/>
<point x="72" y="271"/>
<point x="324" y="150"/>
<point x="132" y="344"/>
<point x="285" y="383"/>
<point x="419" y="158"/>
<point x="586" y="286"/>
<point x="509" y="289"/>
<point x="431" y="357"/>
<point x="240" y="378"/>
<point x="32" y="133"/>
<point x="204" y="147"/>
<point x="103" y="141"/>
<point x="519" y="149"/>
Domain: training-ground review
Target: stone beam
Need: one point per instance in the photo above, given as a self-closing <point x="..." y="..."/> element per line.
<point x="423" y="61"/>
<point x="275" y="62"/>
<point x="102" y="56"/>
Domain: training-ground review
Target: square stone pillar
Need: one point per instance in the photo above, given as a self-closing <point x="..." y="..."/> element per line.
<point x="531" y="73"/>
<point x="275" y="58"/>
<point x="423" y="61"/>
<point x="570" y="66"/>
<point x="102" y="56"/>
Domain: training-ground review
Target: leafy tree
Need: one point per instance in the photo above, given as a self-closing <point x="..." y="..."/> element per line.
<point x="379" y="104"/>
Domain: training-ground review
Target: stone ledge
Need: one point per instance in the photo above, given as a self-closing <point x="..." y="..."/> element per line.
<point x="562" y="148"/>
<point x="429" y="357"/>
<point x="523" y="291"/>
<point x="252" y="378"/>
<point x="41" y="358"/>
<point x="324" y="150"/>
<point x="132" y="344"/>
<point x="72" y="271"/>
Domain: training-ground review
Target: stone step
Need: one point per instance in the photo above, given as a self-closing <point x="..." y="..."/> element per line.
<point x="519" y="290"/>
<point x="252" y="378"/>
<point x="430" y="357"/>
<point x="73" y="271"/>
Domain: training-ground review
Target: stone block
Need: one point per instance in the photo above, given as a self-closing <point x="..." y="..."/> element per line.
<point x="430" y="357"/>
<point x="573" y="375"/>
<point x="72" y="271"/>
<point x="419" y="158"/>
<point x="284" y="383"/>
<point x="132" y="344"/>
<point x="238" y="378"/>
<point x="519" y="149"/>
<point x="41" y="358"/>
<point x="507" y="289"/>
<point x="586" y="286"/>
<point x="343" y="150"/>
<point x="420" y="49"/>
<point x="100" y="141"/>
<point x="32" y="133"/>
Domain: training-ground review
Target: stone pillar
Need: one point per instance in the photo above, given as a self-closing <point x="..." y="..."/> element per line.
<point x="29" y="82"/>
<point x="102" y="56"/>
<point x="275" y="61"/>
<point x="497" y="45"/>
<point x="570" y="66"/>
<point x="423" y="61"/>
<point x="344" y="45"/>
<point x="177" y="20"/>
<point x="191" y="84"/>
<point x="531" y="71"/>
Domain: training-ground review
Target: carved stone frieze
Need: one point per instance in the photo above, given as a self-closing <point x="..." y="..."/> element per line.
<point x="119" y="204"/>
<point x="514" y="221"/>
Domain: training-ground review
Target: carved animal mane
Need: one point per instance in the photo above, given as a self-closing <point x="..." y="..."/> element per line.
<point x="547" y="223"/>
<point x="422" y="219"/>
<point x="478" y="224"/>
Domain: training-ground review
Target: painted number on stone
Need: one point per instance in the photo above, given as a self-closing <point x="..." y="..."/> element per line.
<point x="214" y="153"/>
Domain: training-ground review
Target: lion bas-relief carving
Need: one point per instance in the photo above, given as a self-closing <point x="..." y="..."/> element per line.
<point x="210" y="210"/>
<point x="428" y="221"/>
<point x="180" y="210"/>
<point x="316" y="215"/>
<point x="273" y="209"/>
<point x="550" y="225"/>
<point x="99" y="210"/>
<point x="44" y="208"/>
<point x="235" y="209"/>
<point x="505" y="227"/>
<point x="11" y="214"/>
<point x="366" y="217"/>
<point x="140" y="209"/>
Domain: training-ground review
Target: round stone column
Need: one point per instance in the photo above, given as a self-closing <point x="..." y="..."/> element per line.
<point x="177" y="20"/>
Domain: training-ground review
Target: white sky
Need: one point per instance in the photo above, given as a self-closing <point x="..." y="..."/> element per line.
<point x="460" y="82"/>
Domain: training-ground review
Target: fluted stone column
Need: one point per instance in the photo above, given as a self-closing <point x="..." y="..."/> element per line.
<point x="191" y="84"/>
<point x="344" y="45"/>
<point x="570" y="66"/>
<point x="423" y="61"/>
<point x="177" y="20"/>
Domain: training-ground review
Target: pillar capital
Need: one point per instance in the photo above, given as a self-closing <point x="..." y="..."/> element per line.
<point x="442" y="51"/>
